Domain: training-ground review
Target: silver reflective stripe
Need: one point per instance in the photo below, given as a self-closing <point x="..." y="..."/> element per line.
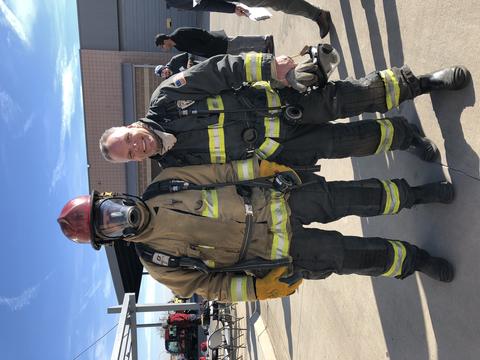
<point x="216" y="135"/>
<point x="245" y="169"/>
<point x="281" y="241"/>
<point x="386" y="135"/>
<point x="392" y="197"/>
<point x="392" y="88"/>
<point x="267" y="149"/>
<point x="400" y="252"/>
<point x="253" y="67"/>
<point x="271" y="122"/>
<point x="238" y="288"/>
<point x="210" y="201"/>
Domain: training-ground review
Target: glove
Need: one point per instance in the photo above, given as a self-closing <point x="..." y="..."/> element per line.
<point x="268" y="168"/>
<point x="271" y="286"/>
<point x="303" y="76"/>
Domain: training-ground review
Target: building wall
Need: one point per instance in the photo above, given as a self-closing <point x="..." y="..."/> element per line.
<point x="138" y="25"/>
<point x="103" y="106"/>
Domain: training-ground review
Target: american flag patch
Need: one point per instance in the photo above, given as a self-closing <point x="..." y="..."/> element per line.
<point x="179" y="80"/>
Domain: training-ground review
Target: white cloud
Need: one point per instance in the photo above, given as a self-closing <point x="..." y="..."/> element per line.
<point x="11" y="115"/>
<point x="8" y="108"/>
<point x="67" y="69"/>
<point x="18" y="302"/>
<point x="20" y="18"/>
<point x="107" y="285"/>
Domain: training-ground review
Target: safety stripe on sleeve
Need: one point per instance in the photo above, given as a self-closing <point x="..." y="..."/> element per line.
<point x="392" y="197"/>
<point x="267" y="149"/>
<point x="253" y="66"/>
<point x="387" y="131"/>
<point x="210" y="199"/>
<point x="271" y="122"/>
<point x="400" y="252"/>
<point x="392" y="89"/>
<point x="238" y="288"/>
<point x="281" y="241"/>
<point x="216" y="135"/>
<point x="245" y="169"/>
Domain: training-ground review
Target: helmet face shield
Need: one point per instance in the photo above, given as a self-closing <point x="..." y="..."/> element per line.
<point x="100" y="219"/>
<point x="118" y="217"/>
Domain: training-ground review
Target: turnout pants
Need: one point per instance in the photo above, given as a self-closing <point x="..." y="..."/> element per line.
<point x="318" y="253"/>
<point x="379" y="91"/>
<point x="308" y="143"/>
<point x="314" y="138"/>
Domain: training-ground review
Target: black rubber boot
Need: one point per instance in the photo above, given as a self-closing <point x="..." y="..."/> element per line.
<point x="323" y="20"/>
<point x="438" y="192"/>
<point x="451" y="78"/>
<point x="434" y="267"/>
<point x="423" y="147"/>
<point x="269" y="45"/>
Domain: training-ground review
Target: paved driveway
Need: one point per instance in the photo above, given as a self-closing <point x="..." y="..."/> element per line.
<point x="361" y="318"/>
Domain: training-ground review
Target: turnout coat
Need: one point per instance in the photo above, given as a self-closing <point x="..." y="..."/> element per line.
<point x="210" y="225"/>
<point x="221" y="110"/>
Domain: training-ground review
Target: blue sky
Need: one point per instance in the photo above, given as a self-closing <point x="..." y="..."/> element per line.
<point x="53" y="293"/>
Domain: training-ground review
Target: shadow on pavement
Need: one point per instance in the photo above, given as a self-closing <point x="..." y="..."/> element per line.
<point x="407" y="308"/>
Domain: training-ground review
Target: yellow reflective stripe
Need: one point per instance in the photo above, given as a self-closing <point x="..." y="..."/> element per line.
<point x="210" y="200"/>
<point x="253" y="66"/>
<point x="245" y="170"/>
<point x="281" y="242"/>
<point x="387" y="131"/>
<point x="271" y="122"/>
<point x="209" y="263"/>
<point x="399" y="257"/>
<point x="238" y="288"/>
<point x="216" y="135"/>
<point x="267" y="148"/>
<point x="392" y="197"/>
<point x="392" y="88"/>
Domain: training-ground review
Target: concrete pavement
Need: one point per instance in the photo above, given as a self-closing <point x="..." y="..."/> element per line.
<point x="354" y="317"/>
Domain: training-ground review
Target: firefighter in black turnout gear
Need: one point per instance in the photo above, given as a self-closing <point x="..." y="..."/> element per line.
<point x="236" y="107"/>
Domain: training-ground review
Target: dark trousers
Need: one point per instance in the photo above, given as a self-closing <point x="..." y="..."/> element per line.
<point x="315" y="138"/>
<point x="308" y="143"/>
<point x="318" y="253"/>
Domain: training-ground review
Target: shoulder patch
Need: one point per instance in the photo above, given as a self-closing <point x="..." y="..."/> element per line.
<point x="179" y="80"/>
<point x="183" y="104"/>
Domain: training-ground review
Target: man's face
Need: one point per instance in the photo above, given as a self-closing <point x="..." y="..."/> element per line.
<point x="131" y="143"/>
<point x="167" y="44"/>
<point x="166" y="73"/>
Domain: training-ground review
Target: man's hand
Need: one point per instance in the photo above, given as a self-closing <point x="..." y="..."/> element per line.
<point x="303" y="76"/>
<point x="283" y="64"/>
<point x="241" y="11"/>
<point x="271" y="287"/>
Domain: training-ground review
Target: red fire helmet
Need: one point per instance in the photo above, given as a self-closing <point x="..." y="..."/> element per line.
<point x="76" y="220"/>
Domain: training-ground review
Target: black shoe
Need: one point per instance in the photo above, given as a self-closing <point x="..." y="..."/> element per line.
<point x="439" y="192"/>
<point x="451" y="78"/>
<point x="323" y="20"/>
<point x="424" y="148"/>
<point x="269" y="45"/>
<point x="437" y="268"/>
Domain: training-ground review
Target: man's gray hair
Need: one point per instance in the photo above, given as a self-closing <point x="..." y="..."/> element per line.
<point x="103" y="144"/>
